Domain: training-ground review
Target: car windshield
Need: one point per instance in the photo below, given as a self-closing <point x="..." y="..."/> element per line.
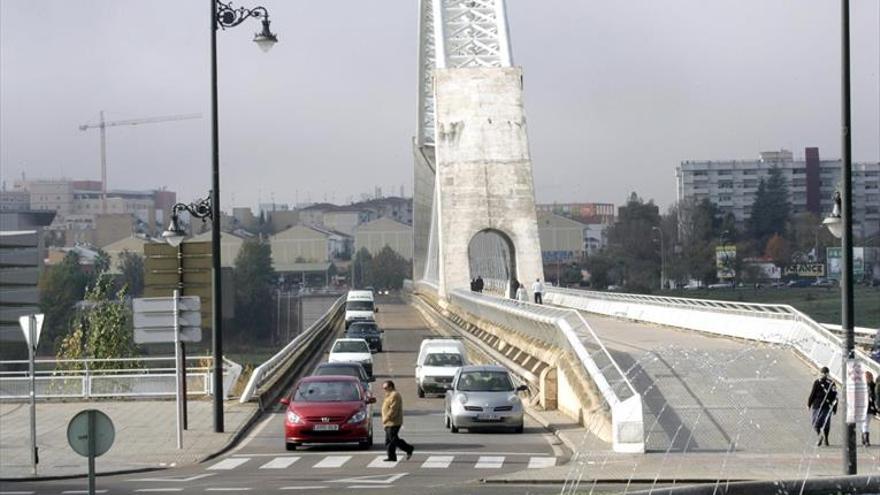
<point x="359" y="305"/>
<point x="330" y="391"/>
<point x="363" y="330"/>
<point x="351" y="346"/>
<point x="443" y="359"/>
<point x="485" y="381"/>
<point x="338" y="370"/>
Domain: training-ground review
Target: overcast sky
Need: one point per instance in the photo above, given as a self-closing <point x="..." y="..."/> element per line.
<point x="617" y="93"/>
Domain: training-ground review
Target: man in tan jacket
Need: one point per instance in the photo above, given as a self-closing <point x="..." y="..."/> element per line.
<point x="392" y="420"/>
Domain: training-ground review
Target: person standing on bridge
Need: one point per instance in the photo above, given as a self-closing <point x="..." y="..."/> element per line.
<point x="392" y="420"/>
<point x="872" y="409"/>
<point x="538" y="289"/>
<point x="521" y="294"/>
<point x="822" y="404"/>
<point x="479" y="284"/>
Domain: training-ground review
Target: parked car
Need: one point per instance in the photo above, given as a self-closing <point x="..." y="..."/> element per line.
<point x="328" y="409"/>
<point x="359" y="306"/>
<point x="345" y="369"/>
<point x="824" y="282"/>
<point x="799" y="282"/>
<point x="721" y="285"/>
<point x="483" y="396"/>
<point x="436" y="364"/>
<point x="352" y="351"/>
<point x="367" y="330"/>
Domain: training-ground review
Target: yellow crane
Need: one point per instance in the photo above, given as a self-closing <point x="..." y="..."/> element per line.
<point x="102" y="125"/>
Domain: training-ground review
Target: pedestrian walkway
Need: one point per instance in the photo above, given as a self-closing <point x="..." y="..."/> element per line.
<point x="371" y="460"/>
<point x="145" y="436"/>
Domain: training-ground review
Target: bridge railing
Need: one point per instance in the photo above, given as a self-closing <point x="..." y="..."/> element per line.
<point x="772" y="323"/>
<point x="118" y="377"/>
<point x="269" y="373"/>
<point x="567" y="330"/>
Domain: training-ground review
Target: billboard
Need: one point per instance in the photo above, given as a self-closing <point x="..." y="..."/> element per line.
<point x="805" y="269"/>
<point x="834" y="262"/>
<point x="725" y="258"/>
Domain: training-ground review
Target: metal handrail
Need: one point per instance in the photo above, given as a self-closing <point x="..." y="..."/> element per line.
<point x="266" y="371"/>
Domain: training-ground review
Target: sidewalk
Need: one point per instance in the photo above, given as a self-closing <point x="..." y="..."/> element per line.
<point x="145" y="436"/>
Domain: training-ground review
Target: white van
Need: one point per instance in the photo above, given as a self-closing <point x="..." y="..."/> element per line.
<point x="359" y="306"/>
<point x="437" y="363"/>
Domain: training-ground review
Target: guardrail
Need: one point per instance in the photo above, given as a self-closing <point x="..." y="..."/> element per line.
<point x="119" y="377"/>
<point x="268" y="373"/>
<point x="773" y="323"/>
<point x="567" y="330"/>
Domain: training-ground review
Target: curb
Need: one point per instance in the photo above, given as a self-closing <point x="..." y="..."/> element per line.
<point x="536" y="416"/>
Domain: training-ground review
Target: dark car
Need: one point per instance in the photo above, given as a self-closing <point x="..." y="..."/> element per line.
<point x="345" y="369"/>
<point x="367" y="330"/>
<point x="328" y="409"/>
<point x="799" y="282"/>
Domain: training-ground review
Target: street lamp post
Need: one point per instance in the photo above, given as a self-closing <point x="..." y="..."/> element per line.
<point x="662" y="258"/>
<point x="223" y="16"/>
<point x="840" y="225"/>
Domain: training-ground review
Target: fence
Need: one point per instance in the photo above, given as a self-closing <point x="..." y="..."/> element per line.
<point x="268" y="373"/>
<point x="567" y="330"/>
<point x="773" y="323"/>
<point x="99" y="378"/>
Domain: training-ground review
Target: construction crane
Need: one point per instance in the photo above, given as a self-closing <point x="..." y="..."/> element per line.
<point x="103" y="125"/>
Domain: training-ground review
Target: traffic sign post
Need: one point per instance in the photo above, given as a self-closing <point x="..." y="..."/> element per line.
<point x="178" y="365"/>
<point x="90" y="434"/>
<point x="31" y="326"/>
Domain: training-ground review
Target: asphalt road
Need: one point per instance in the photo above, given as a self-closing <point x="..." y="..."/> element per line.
<point x="443" y="462"/>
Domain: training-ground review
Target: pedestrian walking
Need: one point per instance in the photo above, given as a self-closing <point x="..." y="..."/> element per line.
<point x="521" y="293"/>
<point x="473" y="285"/>
<point x="538" y="289"/>
<point x="479" y="284"/>
<point x="872" y="409"/>
<point x="392" y="420"/>
<point x="822" y="404"/>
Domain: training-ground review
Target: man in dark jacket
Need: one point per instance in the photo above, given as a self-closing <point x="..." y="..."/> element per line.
<point x="822" y="404"/>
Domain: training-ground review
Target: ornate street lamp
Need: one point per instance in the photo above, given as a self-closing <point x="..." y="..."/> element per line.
<point x="201" y="208"/>
<point x="224" y="15"/>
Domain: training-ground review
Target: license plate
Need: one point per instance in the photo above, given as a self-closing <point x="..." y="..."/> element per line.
<point x="488" y="417"/>
<point x="326" y="427"/>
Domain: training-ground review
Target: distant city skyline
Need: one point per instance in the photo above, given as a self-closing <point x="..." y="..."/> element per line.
<point x="617" y="95"/>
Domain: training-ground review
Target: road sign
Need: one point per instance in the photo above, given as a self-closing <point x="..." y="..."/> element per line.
<point x="79" y="433"/>
<point x="32" y="333"/>
<point x="154" y="319"/>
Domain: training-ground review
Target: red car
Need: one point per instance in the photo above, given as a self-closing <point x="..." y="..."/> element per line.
<point x="328" y="409"/>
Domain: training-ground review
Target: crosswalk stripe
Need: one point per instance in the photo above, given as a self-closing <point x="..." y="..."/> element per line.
<point x="227" y="464"/>
<point x="489" y="462"/>
<point x="438" y="462"/>
<point x="541" y="462"/>
<point x="380" y="462"/>
<point x="279" y="463"/>
<point x="333" y="461"/>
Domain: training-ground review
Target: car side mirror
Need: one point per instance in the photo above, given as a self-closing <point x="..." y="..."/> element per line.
<point x="522" y="388"/>
<point x="285" y="401"/>
<point x="371" y="400"/>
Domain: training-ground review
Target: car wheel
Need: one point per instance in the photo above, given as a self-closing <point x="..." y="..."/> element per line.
<point x="420" y="392"/>
<point x="366" y="444"/>
<point x="518" y="429"/>
<point x="452" y="427"/>
<point x="380" y="349"/>
<point x="291" y="446"/>
<point x="446" y="421"/>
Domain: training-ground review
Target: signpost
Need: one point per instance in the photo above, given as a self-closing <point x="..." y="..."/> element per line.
<point x="90" y="434"/>
<point x="174" y="320"/>
<point x="31" y="326"/>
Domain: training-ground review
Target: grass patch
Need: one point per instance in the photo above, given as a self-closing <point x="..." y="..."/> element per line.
<point x="821" y="304"/>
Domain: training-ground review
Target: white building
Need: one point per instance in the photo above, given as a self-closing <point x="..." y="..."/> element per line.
<point x="383" y="232"/>
<point x="811" y="182"/>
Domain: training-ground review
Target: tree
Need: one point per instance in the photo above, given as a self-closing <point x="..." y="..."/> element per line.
<point x="362" y="269"/>
<point x="254" y="282"/>
<point x="599" y="266"/>
<point x="629" y="241"/>
<point x="388" y="270"/>
<point x="131" y="265"/>
<point x="61" y="287"/>
<point x="777" y="249"/>
<point x="102" y="262"/>
<point x="771" y="209"/>
<point x="101" y="329"/>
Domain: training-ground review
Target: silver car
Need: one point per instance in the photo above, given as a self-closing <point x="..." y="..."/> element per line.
<point x="483" y="397"/>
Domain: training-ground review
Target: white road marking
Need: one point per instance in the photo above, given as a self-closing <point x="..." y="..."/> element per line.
<point x="242" y="489"/>
<point x="489" y="462"/>
<point x="71" y="492"/>
<point x="315" y="487"/>
<point x="333" y="461"/>
<point x="541" y="462"/>
<point x="256" y="431"/>
<point x="380" y="462"/>
<point x="438" y="462"/>
<point x="227" y="464"/>
<point x="360" y="487"/>
<point x="279" y="463"/>
<point x="376" y="479"/>
<point x="16" y="493"/>
<point x="176" y="479"/>
<point x="158" y="490"/>
<point x="420" y="452"/>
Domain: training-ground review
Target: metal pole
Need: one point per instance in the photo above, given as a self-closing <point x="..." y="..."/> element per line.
<point x="103" y="127"/>
<point x="216" y="292"/>
<point x="846" y="286"/>
<point x="32" y="334"/>
<point x="92" y="448"/>
<point x="288" y="316"/>
<point x="278" y="314"/>
<point x="178" y="375"/>
<point x="182" y="344"/>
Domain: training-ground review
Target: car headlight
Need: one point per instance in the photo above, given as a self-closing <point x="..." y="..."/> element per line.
<point x="358" y="417"/>
<point x="292" y="417"/>
<point x="462" y="398"/>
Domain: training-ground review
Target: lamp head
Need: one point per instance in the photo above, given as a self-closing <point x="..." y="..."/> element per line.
<point x="174" y="235"/>
<point x="265" y="39"/>
<point x="834" y="222"/>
